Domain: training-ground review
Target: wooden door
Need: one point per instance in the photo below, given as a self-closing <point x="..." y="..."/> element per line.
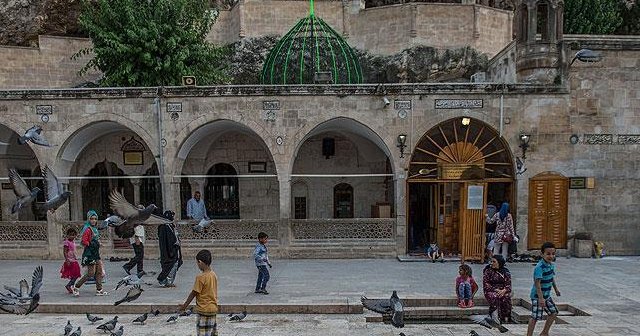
<point x="448" y="216"/>
<point x="548" y="208"/>
<point x="472" y="227"/>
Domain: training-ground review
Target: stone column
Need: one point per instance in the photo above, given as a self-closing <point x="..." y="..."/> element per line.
<point x="54" y="232"/>
<point x="284" y="227"/>
<point x="136" y="190"/>
<point x="400" y="208"/>
<point x="75" y="201"/>
<point x="241" y="21"/>
<point x="532" y="26"/>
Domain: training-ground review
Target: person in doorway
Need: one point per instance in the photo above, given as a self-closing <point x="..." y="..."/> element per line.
<point x="170" y="253"/>
<point x="490" y="231"/>
<point x="496" y="284"/>
<point x="137" y="242"/>
<point x="505" y="232"/>
<point x="433" y="253"/>
<point x="196" y="208"/>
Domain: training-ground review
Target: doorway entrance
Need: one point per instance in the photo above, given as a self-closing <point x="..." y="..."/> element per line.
<point x="456" y="169"/>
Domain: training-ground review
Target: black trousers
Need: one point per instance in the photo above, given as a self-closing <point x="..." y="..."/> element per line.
<point x="138" y="258"/>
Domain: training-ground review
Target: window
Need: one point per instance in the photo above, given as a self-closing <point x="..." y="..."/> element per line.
<point x="343" y="201"/>
<point x="221" y="193"/>
<point x="300" y="208"/>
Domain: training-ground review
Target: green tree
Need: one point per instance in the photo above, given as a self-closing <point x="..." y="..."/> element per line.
<point x="151" y="42"/>
<point x="591" y="16"/>
<point x="630" y="18"/>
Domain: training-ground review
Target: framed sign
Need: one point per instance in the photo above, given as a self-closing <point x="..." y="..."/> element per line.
<point x="133" y="158"/>
<point x="7" y="186"/>
<point x="475" y="197"/>
<point x="257" y="167"/>
<point x="577" y="183"/>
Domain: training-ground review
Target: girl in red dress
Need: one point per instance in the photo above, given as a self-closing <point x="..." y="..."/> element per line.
<point x="70" y="268"/>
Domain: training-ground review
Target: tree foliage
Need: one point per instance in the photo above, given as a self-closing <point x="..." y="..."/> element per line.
<point x="151" y="42"/>
<point x="598" y="17"/>
<point x="630" y="13"/>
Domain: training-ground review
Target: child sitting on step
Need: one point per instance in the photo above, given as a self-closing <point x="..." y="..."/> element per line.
<point x="466" y="287"/>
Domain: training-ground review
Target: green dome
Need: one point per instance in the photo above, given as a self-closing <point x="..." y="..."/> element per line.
<point x="311" y="47"/>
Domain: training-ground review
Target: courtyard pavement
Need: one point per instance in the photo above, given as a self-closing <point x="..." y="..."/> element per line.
<point x="605" y="288"/>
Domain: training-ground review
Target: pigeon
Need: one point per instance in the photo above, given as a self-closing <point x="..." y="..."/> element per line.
<point x="473" y="333"/>
<point x="78" y="332"/>
<point x="56" y="196"/>
<point x="34" y="134"/>
<point x="93" y="319"/>
<point x="238" y="317"/>
<point x="202" y="225"/>
<point x="20" y="188"/>
<point x="487" y="322"/>
<point x="118" y="332"/>
<point x="129" y="213"/>
<point x="68" y="328"/>
<point x="187" y="312"/>
<point x="129" y="280"/>
<point x="393" y="306"/>
<point x="173" y="318"/>
<point x="141" y="319"/>
<point x="23" y="300"/>
<point x="155" y="312"/>
<point x="109" y="325"/>
<point x="133" y="293"/>
<point x="112" y="221"/>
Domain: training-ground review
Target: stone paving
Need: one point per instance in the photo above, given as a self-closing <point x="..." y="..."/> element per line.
<point x="605" y="288"/>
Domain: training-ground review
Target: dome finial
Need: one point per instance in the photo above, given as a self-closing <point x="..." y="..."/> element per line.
<point x="311" y="8"/>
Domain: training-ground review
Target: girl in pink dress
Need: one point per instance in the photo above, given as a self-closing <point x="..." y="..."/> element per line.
<point x="70" y="268"/>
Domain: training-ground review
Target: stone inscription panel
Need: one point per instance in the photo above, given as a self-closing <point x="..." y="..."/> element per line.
<point x="459" y="103"/>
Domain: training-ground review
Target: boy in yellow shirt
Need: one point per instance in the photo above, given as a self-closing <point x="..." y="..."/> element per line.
<point x="205" y="291"/>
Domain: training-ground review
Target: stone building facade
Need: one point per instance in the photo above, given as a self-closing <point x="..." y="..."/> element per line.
<point x="261" y="153"/>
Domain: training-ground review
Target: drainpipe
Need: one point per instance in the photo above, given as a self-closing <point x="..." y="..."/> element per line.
<point x="501" y="109"/>
<point x="158" y="111"/>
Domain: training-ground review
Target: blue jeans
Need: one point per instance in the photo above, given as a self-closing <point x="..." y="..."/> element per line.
<point x="464" y="291"/>
<point x="263" y="277"/>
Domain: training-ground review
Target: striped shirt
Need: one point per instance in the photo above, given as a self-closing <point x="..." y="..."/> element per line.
<point x="545" y="272"/>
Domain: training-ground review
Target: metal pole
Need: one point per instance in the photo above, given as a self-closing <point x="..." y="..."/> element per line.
<point x="156" y="106"/>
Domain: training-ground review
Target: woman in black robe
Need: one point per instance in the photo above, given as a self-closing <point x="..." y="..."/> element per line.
<point x="170" y="253"/>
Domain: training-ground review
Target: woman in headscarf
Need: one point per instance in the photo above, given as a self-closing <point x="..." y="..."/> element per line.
<point x="504" y="231"/>
<point x="170" y="252"/>
<point x="496" y="284"/>
<point x="91" y="254"/>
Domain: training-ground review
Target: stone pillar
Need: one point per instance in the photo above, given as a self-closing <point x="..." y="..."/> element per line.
<point x="136" y="190"/>
<point x="532" y="25"/>
<point x="54" y="232"/>
<point x="241" y="21"/>
<point x="284" y="227"/>
<point x="401" y="215"/>
<point x="75" y="201"/>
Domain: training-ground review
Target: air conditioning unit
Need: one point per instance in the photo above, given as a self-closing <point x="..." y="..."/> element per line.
<point x="479" y="77"/>
<point x="189" y="80"/>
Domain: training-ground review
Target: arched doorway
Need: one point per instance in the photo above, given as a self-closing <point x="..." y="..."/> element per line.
<point x="457" y="168"/>
<point x="343" y="201"/>
<point x="221" y="193"/>
<point x="96" y="191"/>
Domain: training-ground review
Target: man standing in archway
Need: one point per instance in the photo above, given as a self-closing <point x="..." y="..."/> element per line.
<point x="196" y="208"/>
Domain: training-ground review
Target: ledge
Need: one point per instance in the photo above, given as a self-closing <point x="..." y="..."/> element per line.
<point x="339" y="91"/>
<point x="603" y="42"/>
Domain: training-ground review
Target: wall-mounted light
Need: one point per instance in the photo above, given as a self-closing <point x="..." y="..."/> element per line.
<point x="402" y="143"/>
<point x="466" y="121"/>
<point x="524" y="144"/>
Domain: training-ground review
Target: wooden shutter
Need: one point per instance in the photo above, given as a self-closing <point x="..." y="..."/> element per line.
<point x="548" y="207"/>
<point x="472" y="228"/>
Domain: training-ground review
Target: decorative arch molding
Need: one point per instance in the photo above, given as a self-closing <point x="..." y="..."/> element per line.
<point x="200" y="129"/>
<point x="97" y="126"/>
<point x="348" y="125"/>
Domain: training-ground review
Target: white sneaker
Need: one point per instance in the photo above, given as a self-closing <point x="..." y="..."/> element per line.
<point x="76" y="291"/>
<point x="101" y="293"/>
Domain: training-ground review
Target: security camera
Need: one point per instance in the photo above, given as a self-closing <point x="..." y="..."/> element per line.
<point x="386" y="101"/>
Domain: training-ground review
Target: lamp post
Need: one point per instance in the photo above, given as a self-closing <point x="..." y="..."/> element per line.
<point x="402" y="144"/>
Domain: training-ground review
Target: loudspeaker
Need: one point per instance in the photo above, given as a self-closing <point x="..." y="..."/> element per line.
<point x="189" y="80"/>
<point x="328" y="147"/>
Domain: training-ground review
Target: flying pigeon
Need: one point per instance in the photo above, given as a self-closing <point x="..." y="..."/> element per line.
<point x="109" y="325"/>
<point x="68" y="328"/>
<point x="173" y="318"/>
<point x="56" y="196"/>
<point x="23" y="300"/>
<point x="133" y="293"/>
<point x="93" y="319"/>
<point x="473" y="333"/>
<point x="78" y="332"/>
<point x="202" y="225"/>
<point x="112" y="220"/>
<point x="129" y="280"/>
<point x="487" y="322"/>
<point x="393" y="306"/>
<point x="34" y="134"/>
<point x="119" y="332"/>
<point x="20" y="188"/>
<point x="238" y="317"/>
<point x="141" y="319"/>
<point x="129" y="213"/>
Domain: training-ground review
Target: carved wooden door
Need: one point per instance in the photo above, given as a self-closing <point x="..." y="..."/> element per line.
<point x="548" y="208"/>
<point x="472" y="224"/>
